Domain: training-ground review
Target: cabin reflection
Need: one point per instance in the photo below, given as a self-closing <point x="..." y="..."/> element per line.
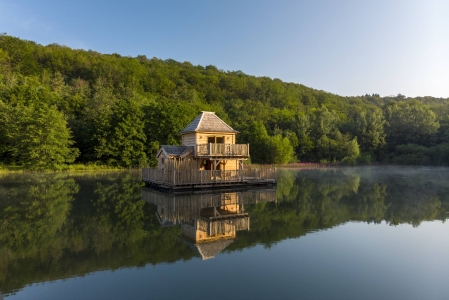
<point x="209" y="221"/>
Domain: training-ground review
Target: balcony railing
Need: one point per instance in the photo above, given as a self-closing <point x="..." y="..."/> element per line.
<point x="222" y="150"/>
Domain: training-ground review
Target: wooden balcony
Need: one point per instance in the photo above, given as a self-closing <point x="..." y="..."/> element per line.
<point x="222" y="150"/>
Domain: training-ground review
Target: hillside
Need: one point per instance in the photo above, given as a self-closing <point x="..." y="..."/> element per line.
<point x="59" y="105"/>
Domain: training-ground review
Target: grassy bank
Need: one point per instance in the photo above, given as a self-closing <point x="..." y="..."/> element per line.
<point x="96" y="167"/>
<point x="69" y="168"/>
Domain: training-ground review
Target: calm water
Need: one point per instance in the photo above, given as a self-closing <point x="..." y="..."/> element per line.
<point x="346" y="233"/>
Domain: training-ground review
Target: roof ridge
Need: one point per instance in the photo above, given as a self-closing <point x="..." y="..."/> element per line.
<point x="210" y="124"/>
<point x="201" y="119"/>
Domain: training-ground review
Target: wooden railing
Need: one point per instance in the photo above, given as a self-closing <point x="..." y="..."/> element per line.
<point x="195" y="177"/>
<point x="228" y="150"/>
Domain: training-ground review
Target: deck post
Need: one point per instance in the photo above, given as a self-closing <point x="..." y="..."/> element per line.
<point x="174" y="176"/>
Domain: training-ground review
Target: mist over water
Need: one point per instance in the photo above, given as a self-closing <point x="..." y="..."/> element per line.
<point x="349" y="232"/>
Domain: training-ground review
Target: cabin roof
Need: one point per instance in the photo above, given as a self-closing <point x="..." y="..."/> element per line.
<point x="210" y="249"/>
<point x="174" y="151"/>
<point x="208" y="121"/>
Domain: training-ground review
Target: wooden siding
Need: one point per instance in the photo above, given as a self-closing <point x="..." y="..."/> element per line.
<point x="188" y="231"/>
<point x="189" y="139"/>
<point x="231" y="165"/>
<point x="161" y="162"/>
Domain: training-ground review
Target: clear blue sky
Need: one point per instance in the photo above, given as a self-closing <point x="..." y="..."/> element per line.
<point x="343" y="47"/>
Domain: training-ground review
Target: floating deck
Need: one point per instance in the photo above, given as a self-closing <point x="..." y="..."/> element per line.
<point x="208" y="179"/>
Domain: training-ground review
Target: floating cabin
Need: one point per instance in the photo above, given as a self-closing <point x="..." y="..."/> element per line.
<point x="208" y="158"/>
<point x="209" y="221"/>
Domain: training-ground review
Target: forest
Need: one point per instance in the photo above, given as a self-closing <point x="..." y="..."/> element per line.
<point x="60" y="106"/>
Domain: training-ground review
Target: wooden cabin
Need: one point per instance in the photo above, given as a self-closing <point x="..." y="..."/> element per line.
<point x="207" y="157"/>
<point x="208" y="143"/>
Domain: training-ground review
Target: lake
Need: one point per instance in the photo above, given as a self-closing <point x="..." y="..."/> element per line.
<point x="335" y="233"/>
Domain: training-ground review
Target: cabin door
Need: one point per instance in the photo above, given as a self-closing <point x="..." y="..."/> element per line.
<point x="209" y="165"/>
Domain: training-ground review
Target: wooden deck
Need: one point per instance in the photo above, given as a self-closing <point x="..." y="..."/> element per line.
<point x="208" y="179"/>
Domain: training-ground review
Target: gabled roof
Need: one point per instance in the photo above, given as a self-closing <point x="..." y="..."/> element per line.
<point x="210" y="249"/>
<point x="176" y="151"/>
<point x="208" y="122"/>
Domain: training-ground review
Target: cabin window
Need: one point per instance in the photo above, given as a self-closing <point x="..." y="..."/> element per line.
<point x="215" y="139"/>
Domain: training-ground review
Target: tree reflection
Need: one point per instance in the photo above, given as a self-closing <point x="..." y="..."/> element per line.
<point x="56" y="226"/>
<point x="325" y="198"/>
<point x="33" y="211"/>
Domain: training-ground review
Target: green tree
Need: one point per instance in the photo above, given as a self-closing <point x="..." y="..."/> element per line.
<point x="39" y="137"/>
<point x="4" y="124"/>
<point x="94" y="117"/>
<point x="166" y="119"/>
<point x="259" y="143"/>
<point x="411" y="154"/>
<point x="368" y="126"/>
<point x="324" y="122"/>
<point x="410" y="122"/>
<point x="280" y="150"/>
<point x="122" y="141"/>
<point x="305" y="143"/>
<point x="329" y="143"/>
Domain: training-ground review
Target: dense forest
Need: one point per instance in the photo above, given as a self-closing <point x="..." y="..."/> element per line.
<point x="60" y="106"/>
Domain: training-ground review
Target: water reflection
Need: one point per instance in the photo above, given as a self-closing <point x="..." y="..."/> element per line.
<point x="209" y="221"/>
<point x="55" y="226"/>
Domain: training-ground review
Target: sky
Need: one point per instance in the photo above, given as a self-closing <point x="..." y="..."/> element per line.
<point x="345" y="47"/>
